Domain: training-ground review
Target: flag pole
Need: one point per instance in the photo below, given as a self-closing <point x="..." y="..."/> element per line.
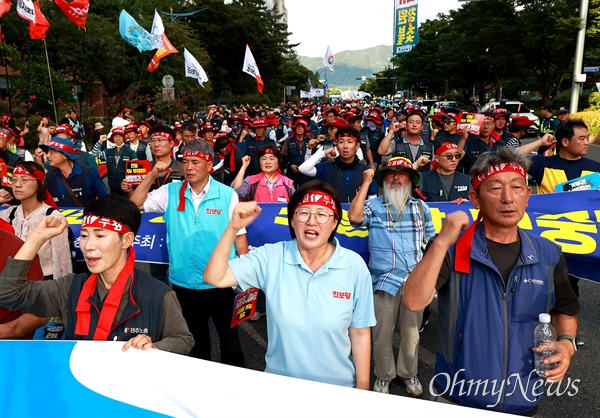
<point x="28" y="76"/>
<point x="50" y="78"/>
<point x="81" y="74"/>
<point x="6" y="70"/>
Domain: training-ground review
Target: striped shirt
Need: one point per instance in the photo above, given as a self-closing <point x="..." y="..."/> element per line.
<point x="396" y="241"/>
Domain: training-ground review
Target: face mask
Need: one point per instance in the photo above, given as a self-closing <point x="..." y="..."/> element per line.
<point x="371" y="125"/>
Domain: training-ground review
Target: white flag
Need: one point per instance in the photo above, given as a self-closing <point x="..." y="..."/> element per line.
<point x="157" y="31"/>
<point x="598" y="86"/>
<point x="305" y="94"/>
<point x="251" y="68"/>
<point x="193" y="68"/>
<point x="329" y="60"/>
<point x="25" y="10"/>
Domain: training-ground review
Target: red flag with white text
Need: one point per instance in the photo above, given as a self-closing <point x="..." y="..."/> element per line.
<point x="167" y="49"/>
<point x="76" y="11"/>
<point x="38" y="28"/>
<point x="4" y="7"/>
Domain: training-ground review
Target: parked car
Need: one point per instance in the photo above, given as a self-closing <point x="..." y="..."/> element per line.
<point x="516" y="108"/>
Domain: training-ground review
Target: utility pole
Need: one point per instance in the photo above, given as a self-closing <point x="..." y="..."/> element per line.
<point x="578" y="77"/>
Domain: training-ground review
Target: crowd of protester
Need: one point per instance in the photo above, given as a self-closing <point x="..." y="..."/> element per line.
<point x="386" y="162"/>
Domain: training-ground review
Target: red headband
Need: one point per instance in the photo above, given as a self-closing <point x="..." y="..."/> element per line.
<point x="36" y="174"/>
<point x="488" y="118"/>
<point x="93" y="221"/>
<point x="319" y="199"/>
<point x="497" y="169"/>
<point x="462" y="257"/>
<point x="5" y="135"/>
<point x="197" y="154"/>
<point x="269" y="151"/>
<point x="446" y="147"/>
<point x="63" y="147"/>
<point x="165" y="135"/>
<point x="351" y="137"/>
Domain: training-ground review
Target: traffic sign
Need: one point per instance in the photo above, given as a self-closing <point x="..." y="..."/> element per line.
<point x="168" y="81"/>
<point x="591" y="69"/>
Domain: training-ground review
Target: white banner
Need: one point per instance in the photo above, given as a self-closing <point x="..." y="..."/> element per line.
<point x="25" y="10"/>
<point x="316" y="92"/>
<point x="157" y="31"/>
<point x="193" y="68"/>
<point x="305" y="94"/>
<point x="329" y="60"/>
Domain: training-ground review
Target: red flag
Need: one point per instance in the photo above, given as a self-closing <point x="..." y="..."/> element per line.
<point x="76" y="11"/>
<point x="4" y="7"/>
<point x="167" y="49"/>
<point x="37" y="29"/>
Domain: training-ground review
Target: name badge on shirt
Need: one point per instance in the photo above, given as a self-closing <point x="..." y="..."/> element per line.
<point x="461" y="188"/>
<point x="282" y="199"/>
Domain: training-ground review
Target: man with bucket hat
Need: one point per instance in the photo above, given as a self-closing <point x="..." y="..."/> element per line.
<point x="70" y="183"/>
<point x="399" y="227"/>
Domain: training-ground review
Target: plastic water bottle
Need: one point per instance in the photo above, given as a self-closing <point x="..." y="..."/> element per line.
<point x="544" y="337"/>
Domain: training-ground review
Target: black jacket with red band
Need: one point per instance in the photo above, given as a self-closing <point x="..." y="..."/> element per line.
<point x="142" y="313"/>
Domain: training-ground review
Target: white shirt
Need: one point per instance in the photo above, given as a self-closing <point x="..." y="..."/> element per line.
<point x="158" y="200"/>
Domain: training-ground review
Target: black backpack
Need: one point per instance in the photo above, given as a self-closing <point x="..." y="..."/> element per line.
<point x="70" y="234"/>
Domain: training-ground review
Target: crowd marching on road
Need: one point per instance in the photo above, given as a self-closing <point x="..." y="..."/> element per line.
<point x="210" y="172"/>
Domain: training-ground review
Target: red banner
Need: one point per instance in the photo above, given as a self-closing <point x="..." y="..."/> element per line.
<point x="76" y="11"/>
<point x="37" y="29"/>
<point x="4" y="7"/>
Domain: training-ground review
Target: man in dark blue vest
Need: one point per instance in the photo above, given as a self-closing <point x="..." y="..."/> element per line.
<point x="116" y="159"/>
<point x="443" y="183"/>
<point x="70" y="183"/>
<point x="343" y="170"/>
<point x="492" y="283"/>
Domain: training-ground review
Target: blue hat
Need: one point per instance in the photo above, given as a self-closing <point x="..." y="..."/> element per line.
<point x="547" y="106"/>
<point x="61" y="145"/>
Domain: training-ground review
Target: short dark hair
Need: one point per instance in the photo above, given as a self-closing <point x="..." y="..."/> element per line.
<point x="189" y="127"/>
<point x="221" y="143"/>
<point x="348" y="130"/>
<point x="263" y="150"/>
<point x="313" y="186"/>
<point x="567" y="131"/>
<point x="41" y="187"/>
<point x="118" y="208"/>
<point x="161" y="128"/>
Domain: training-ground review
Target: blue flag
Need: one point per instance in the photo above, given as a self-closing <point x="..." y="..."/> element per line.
<point x="325" y="86"/>
<point x="134" y="34"/>
<point x="310" y="85"/>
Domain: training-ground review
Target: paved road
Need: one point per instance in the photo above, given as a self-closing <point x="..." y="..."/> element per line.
<point x="584" y="371"/>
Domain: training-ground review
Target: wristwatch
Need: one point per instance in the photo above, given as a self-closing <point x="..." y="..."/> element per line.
<point x="570" y="338"/>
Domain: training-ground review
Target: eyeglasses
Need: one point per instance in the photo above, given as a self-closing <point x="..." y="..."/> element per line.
<point x="449" y="122"/>
<point x="303" y="215"/>
<point x="22" y="180"/>
<point x="158" y="140"/>
<point x="451" y="156"/>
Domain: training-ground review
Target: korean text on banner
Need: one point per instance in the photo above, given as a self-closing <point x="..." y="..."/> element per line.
<point x="406" y="35"/>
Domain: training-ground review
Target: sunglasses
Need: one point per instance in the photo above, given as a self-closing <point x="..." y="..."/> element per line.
<point x="450" y="157"/>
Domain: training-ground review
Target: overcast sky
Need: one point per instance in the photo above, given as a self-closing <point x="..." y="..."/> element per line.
<point x="349" y="24"/>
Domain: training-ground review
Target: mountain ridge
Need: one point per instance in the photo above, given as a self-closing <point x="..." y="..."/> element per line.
<point x="350" y="65"/>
